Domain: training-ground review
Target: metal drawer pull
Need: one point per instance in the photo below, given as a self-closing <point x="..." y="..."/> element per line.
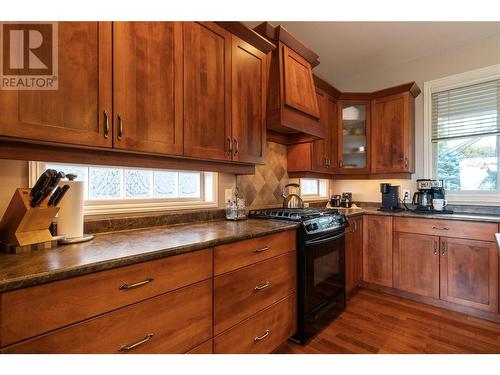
<point x="263" y="286"/>
<point x="106" y="124"/>
<point x="261" y="249"/>
<point x="126" y="348"/>
<point x="259" y="338"/>
<point x="136" y="285"/>
<point x="437" y="228"/>
<point x="120" y="127"/>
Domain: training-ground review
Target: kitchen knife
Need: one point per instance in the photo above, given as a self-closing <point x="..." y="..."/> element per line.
<point x="42" y="187"/>
<point x="54" y="195"/>
<point x="60" y="196"/>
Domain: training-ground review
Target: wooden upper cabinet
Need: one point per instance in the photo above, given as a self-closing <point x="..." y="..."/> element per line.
<point x="416" y="264"/>
<point x="377" y="250"/>
<point x="74" y="113"/>
<point x="248" y="95"/>
<point x="469" y="273"/>
<point x="207" y="91"/>
<point x="147" y="86"/>
<point x="321" y="147"/>
<point x="393" y="134"/>
<point x="299" y="90"/>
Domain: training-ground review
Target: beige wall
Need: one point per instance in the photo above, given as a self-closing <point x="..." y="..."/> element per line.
<point x="13" y="174"/>
<point x="480" y="54"/>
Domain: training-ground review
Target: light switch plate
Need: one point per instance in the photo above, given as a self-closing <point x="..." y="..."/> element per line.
<point x="228" y="195"/>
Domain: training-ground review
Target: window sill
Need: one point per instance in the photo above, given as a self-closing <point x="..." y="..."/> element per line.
<point x="142" y="207"/>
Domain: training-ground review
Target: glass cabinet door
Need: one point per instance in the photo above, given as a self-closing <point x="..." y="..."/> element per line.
<point x="355" y="118"/>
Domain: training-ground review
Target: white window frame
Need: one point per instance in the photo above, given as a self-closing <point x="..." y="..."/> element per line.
<point x="315" y="197"/>
<point x="447" y="83"/>
<point x="132" y="206"/>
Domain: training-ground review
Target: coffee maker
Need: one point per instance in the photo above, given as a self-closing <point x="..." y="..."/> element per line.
<point x="427" y="191"/>
<point x="390" y="198"/>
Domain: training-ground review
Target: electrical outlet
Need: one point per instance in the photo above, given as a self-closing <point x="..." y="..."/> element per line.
<point x="406" y="195"/>
<point x="228" y="195"/>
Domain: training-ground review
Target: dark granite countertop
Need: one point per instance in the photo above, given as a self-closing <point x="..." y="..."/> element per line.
<point x="109" y="250"/>
<point x="490" y="218"/>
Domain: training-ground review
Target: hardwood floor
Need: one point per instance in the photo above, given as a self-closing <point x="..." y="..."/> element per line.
<point x="380" y="323"/>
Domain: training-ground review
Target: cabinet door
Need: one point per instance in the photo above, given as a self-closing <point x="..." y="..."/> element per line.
<point x="416" y="264"/>
<point x="147" y="86"/>
<point x="354" y="136"/>
<point x="321" y="147"/>
<point x="248" y="97"/>
<point x="377" y="250"/>
<point x="469" y="273"/>
<point x="354" y="253"/>
<point x="390" y="131"/>
<point x="207" y="91"/>
<point x="74" y="113"/>
<point x="299" y="89"/>
<point x="333" y="134"/>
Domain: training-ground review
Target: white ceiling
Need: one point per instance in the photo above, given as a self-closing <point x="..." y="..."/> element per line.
<point x="346" y="49"/>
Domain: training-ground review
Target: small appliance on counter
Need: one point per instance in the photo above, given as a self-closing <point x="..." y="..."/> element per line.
<point x="335" y="200"/>
<point x="430" y="197"/>
<point x="346" y="200"/>
<point x="235" y="209"/>
<point x="390" y="198"/>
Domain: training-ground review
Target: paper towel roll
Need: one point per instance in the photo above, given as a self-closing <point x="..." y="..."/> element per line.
<point x="70" y="218"/>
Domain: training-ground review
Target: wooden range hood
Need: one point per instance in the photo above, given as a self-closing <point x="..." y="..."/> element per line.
<point x="292" y="105"/>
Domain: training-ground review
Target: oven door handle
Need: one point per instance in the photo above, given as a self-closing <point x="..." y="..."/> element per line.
<point x="324" y="240"/>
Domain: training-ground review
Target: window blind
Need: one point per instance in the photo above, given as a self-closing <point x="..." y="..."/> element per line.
<point x="466" y="111"/>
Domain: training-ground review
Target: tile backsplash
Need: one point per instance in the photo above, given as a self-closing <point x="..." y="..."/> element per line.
<point x="264" y="188"/>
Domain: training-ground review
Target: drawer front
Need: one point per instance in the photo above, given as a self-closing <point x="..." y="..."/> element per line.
<point x="171" y="323"/>
<point x="242" y="293"/>
<point x="243" y="253"/>
<point x="28" y="312"/>
<point x="447" y="228"/>
<point x="205" y="348"/>
<point x="263" y="332"/>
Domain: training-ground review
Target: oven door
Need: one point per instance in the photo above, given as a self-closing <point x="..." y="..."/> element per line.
<point x="324" y="270"/>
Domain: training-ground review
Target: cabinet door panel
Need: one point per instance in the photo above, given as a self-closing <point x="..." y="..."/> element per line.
<point x="354" y="253"/>
<point x="333" y="135"/>
<point x="248" y="97"/>
<point x="469" y="273"/>
<point x="300" y="93"/>
<point x="148" y="86"/>
<point x="321" y="147"/>
<point x="391" y="134"/>
<point x="377" y="250"/>
<point x="207" y="90"/>
<point x="416" y="264"/>
<point x="73" y="113"/>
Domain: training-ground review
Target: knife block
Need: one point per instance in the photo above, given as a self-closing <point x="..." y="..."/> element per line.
<point x="23" y="225"/>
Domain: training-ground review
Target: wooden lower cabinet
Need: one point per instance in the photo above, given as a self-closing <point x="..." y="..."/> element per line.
<point x="377" y="250"/>
<point x="416" y="264"/>
<point x="469" y="273"/>
<point x="354" y="253"/>
<point x="205" y="348"/>
<point x="263" y="332"/>
<point x="170" y="323"/>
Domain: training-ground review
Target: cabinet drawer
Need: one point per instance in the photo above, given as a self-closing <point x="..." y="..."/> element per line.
<point x="243" y="253"/>
<point x="447" y="228"/>
<point x="204" y="348"/>
<point x="171" y="323"/>
<point x="240" y="294"/>
<point x="263" y="332"/>
<point x="28" y="312"/>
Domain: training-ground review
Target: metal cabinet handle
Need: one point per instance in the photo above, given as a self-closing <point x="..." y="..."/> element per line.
<point x="438" y="228"/>
<point x="262" y="337"/>
<point x="328" y="162"/>
<point x="120" y="127"/>
<point x="325" y="161"/>
<point x="355" y="226"/>
<point x="136" y="285"/>
<point x="443" y="247"/>
<point x="406" y="162"/>
<point x="229" y="146"/>
<point x="236" y="149"/>
<point x="341" y="164"/>
<point x="263" y="286"/>
<point x="126" y="347"/>
<point x="435" y="247"/>
<point x="261" y="249"/>
<point x="106" y="124"/>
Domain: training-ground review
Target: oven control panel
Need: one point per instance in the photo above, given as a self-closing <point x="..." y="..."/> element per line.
<point x="323" y="224"/>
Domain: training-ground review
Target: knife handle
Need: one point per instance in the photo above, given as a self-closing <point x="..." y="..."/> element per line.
<point x="54" y="196"/>
<point x="63" y="191"/>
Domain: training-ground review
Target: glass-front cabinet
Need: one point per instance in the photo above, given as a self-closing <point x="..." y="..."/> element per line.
<point x="354" y="118"/>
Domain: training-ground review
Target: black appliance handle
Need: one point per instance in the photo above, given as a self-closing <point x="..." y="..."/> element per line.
<point x="323" y="240"/>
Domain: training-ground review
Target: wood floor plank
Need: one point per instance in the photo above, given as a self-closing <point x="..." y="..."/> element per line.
<point x="374" y="322"/>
